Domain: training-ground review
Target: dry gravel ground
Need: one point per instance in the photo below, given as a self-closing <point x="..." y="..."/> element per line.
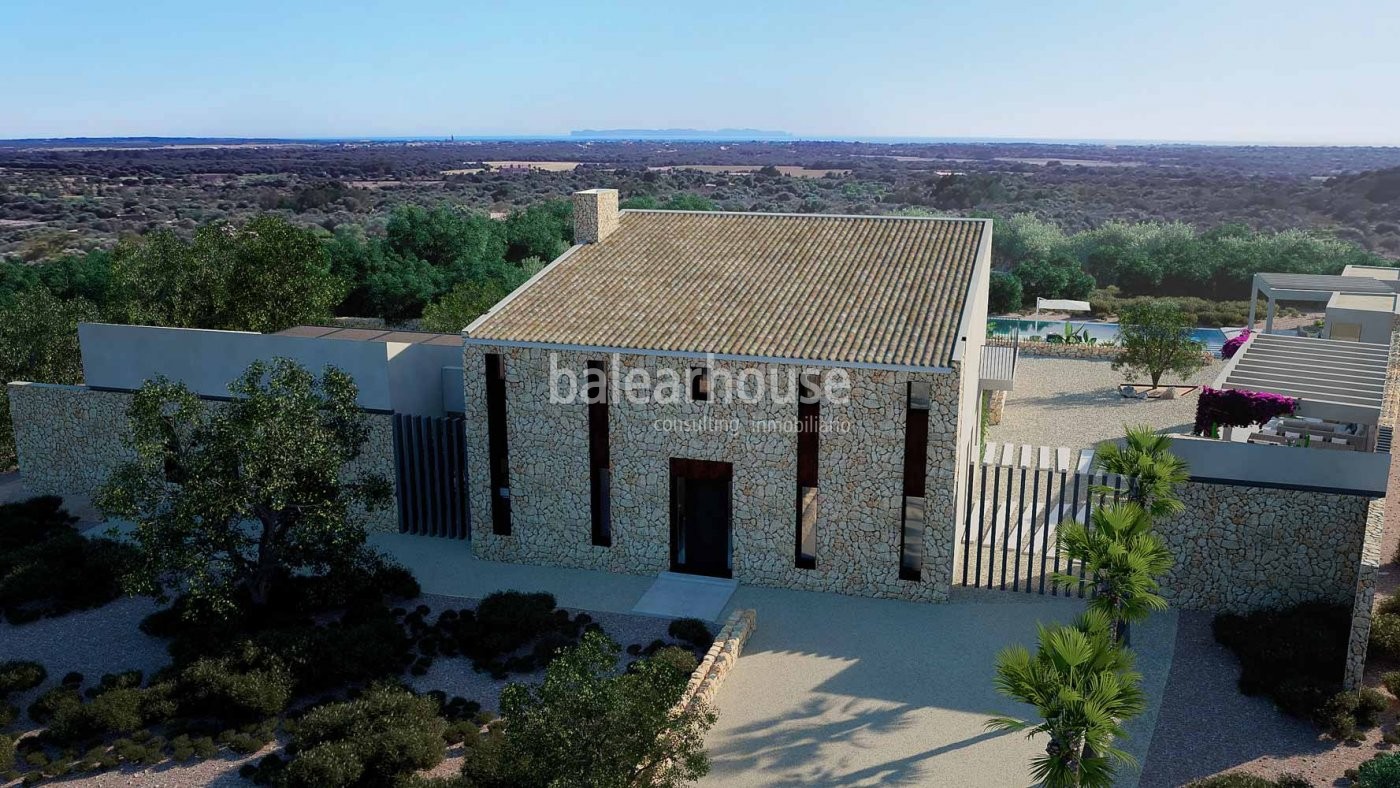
<point x="1075" y="403"/>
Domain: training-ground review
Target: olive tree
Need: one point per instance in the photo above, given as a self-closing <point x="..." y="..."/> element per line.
<point x="229" y="498"/>
<point x="1157" y="339"/>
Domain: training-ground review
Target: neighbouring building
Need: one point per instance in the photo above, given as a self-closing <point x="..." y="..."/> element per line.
<point x="881" y="320"/>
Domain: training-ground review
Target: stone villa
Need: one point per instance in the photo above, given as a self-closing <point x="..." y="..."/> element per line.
<point x="850" y="491"/>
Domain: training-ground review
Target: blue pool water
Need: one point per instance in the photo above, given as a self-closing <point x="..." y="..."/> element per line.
<point x="1212" y="338"/>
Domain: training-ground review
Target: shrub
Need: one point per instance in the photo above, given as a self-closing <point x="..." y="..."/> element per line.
<point x="20" y="675"/>
<point x="507" y="620"/>
<point x="47" y="568"/>
<point x="679" y="659"/>
<point x="1243" y="780"/>
<point x="691" y="630"/>
<point x="1385" y="635"/>
<point x="121" y="710"/>
<point x="1382" y="771"/>
<point x="386" y="733"/>
<point x="1294" y="655"/>
<point x="234" y="692"/>
<point x="630" y="719"/>
<point x="1391" y="681"/>
<point x="1345" y="714"/>
<point x="7" y="753"/>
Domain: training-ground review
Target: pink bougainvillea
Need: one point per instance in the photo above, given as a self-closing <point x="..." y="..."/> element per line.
<point x="1239" y="408"/>
<point x="1233" y="344"/>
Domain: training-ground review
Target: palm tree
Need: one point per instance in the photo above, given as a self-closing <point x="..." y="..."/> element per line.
<point x="1154" y="474"/>
<point x="1122" y="559"/>
<point x="1083" y="687"/>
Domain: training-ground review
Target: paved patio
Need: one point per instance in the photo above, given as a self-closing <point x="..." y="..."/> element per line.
<point x="1075" y="403"/>
<point x="842" y="691"/>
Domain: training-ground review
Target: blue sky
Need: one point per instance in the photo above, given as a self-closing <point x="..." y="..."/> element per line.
<point x="1209" y="71"/>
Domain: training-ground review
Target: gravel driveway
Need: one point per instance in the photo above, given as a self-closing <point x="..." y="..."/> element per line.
<point x="1075" y="403"/>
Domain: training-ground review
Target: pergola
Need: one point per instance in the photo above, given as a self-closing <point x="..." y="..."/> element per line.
<point x="1332" y="379"/>
<point x="1309" y="287"/>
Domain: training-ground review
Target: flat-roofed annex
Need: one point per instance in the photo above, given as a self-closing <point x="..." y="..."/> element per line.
<point x="855" y="289"/>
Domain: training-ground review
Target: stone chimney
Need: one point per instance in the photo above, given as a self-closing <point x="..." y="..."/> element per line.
<point x="595" y="215"/>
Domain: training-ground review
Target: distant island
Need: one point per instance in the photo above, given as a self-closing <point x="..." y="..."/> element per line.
<point x="681" y="134"/>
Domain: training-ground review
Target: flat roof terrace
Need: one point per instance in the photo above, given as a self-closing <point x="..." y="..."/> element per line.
<point x="1335" y="380"/>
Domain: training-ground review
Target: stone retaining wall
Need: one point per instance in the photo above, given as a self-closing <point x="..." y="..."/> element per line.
<point x="719" y="660"/>
<point x="1366" y="575"/>
<point x="69" y="439"/>
<point x="1240" y="548"/>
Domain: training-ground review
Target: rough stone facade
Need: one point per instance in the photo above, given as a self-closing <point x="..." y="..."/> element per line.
<point x="995" y="404"/>
<point x="70" y="438"/>
<point x="860" y="475"/>
<point x="1367" y="573"/>
<point x="595" y="215"/>
<point x="1241" y="548"/>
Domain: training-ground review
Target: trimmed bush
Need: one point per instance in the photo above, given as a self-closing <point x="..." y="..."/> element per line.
<point x="386" y="733"/>
<point x="1295" y="655"/>
<point x="693" y="631"/>
<point x="1382" y="771"/>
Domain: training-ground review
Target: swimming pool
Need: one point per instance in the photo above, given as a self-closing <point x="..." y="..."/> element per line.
<point x="1212" y="338"/>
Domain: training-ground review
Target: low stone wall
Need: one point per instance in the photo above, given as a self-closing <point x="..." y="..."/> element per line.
<point x="1065" y="350"/>
<point x="719" y="660"/>
<point x="1241" y="548"/>
<point x="69" y="439"/>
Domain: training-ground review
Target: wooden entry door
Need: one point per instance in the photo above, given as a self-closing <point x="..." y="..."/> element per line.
<point x="701" y="535"/>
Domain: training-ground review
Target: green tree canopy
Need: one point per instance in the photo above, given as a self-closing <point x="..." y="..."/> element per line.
<point x="38" y="343"/>
<point x="587" y="725"/>
<point x="227" y="499"/>
<point x="1157" y="339"/>
<point x="1004" y="294"/>
<point x="1058" y="276"/>
<point x="264" y="276"/>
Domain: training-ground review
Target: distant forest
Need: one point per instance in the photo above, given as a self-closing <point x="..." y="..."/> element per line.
<point x="1146" y="220"/>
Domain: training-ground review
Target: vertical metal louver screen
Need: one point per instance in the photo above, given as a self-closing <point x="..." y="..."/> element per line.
<point x="431" y="468"/>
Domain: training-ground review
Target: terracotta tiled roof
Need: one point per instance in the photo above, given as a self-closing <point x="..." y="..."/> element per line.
<point x="887" y="290"/>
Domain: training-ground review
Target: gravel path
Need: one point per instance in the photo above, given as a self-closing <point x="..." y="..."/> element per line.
<point x="454" y="675"/>
<point x="108" y="639"/>
<point x="1075" y="403"/>
<point x="1205" y="726"/>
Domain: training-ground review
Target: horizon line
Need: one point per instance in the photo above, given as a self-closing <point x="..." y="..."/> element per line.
<point x="701" y="135"/>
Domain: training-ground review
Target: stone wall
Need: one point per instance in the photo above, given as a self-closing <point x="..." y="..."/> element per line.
<point x="1367" y="573"/>
<point x="1241" y="548"/>
<point x="69" y="439"/>
<point x="860" y="475"/>
<point x="995" y="403"/>
<point x="1063" y="350"/>
<point x="719" y="660"/>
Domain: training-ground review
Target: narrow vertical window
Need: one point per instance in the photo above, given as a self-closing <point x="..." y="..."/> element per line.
<point x="599" y="461"/>
<point x="699" y="384"/>
<point x="911" y="540"/>
<point x="808" y="439"/>
<point x="498" y="447"/>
